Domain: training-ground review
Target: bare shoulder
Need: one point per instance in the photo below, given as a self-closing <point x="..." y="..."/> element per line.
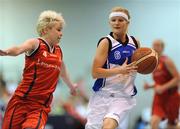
<point x="104" y="42"/>
<point x="34" y="42"/>
<point x="103" y="46"/>
<point x="168" y="61"/>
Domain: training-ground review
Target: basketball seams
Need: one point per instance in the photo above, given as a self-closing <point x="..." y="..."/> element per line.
<point x="145" y="57"/>
<point x="146" y="60"/>
<point x="151" y="65"/>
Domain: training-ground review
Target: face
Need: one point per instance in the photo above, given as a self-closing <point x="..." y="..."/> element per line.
<point x="158" y="46"/>
<point x="55" y="33"/>
<point x="118" y="25"/>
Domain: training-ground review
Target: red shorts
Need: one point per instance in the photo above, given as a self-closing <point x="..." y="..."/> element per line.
<point x="167" y="108"/>
<point x="21" y="114"/>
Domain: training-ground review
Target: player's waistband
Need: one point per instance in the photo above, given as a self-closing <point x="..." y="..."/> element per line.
<point x="113" y="95"/>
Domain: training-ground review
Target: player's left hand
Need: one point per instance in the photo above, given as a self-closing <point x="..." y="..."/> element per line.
<point x="3" y="53"/>
<point x="73" y="89"/>
<point x="159" y="89"/>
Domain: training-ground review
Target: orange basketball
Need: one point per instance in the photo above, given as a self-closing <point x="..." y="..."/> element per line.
<point x="147" y="60"/>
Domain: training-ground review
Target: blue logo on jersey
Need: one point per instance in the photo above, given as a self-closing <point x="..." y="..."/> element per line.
<point x="117" y="55"/>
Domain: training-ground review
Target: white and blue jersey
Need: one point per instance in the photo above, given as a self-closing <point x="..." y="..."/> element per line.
<point x="118" y="53"/>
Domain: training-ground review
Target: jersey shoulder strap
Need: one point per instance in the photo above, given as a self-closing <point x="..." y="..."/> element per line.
<point x="135" y="41"/>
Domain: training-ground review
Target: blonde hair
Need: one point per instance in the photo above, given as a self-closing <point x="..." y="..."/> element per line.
<point x="120" y="9"/>
<point x="161" y="42"/>
<point x="47" y="19"/>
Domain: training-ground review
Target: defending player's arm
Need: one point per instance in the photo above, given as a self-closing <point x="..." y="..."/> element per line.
<point x="100" y="59"/>
<point x="66" y="78"/>
<point x="27" y="46"/>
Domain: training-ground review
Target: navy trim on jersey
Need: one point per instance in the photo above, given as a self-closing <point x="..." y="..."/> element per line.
<point x="46" y="102"/>
<point x="10" y="124"/>
<point x="135" y="91"/>
<point x="123" y="43"/>
<point x="39" y="121"/>
<point x="47" y="45"/>
<point x="109" y="41"/>
<point x="100" y="82"/>
<point x="34" y="52"/>
<point x="32" y="83"/>
<point x="135" y="41"/>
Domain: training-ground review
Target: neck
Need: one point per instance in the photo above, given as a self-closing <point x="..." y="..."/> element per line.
<point x="48" y="41"/>
<point x="120" y="37"/>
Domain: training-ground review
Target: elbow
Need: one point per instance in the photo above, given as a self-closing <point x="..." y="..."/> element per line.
<point x="177" y="80"/>
<point x="62" y="75"/>
<point x="94" y="74"/>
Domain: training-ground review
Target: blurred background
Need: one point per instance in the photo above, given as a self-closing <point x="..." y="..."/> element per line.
<point x="86" y="23"/>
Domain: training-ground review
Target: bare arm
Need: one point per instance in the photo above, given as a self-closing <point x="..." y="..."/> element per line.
<point x="172" y="69"/>
<point x="148" y="86"/>
<point x="101" y="57"/>
<point x="66" y="78"/>
<point x="138" y="43"/>
<point x="27" y="46"/>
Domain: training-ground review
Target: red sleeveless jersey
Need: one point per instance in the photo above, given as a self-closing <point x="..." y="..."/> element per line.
<point x="161" y="76"/>
<point x="41" y="73"/>
<point x="165" y="105"/>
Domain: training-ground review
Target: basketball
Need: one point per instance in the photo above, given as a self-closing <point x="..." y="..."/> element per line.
<point x="146" y="60"/>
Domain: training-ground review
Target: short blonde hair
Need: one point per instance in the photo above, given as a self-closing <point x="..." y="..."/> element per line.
<point x="47" y="18"/>
<point x="120" y="9"/>
<point x="161" y="42"/>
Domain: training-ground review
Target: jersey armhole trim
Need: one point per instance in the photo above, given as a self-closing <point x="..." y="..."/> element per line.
<point x="135" y="42"/>
<point x="109" y="41"/>
<point x="34" y="51"/>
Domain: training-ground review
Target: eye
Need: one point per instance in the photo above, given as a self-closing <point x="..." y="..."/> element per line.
<point x="59" y="29"/>
<point x="121" y="20"/>
<point x="113" y="20"/>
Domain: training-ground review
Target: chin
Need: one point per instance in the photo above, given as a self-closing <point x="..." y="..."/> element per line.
<point x="118" y="32"/>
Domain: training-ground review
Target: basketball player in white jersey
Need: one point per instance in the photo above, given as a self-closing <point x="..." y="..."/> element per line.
<point x="114" y="72"/>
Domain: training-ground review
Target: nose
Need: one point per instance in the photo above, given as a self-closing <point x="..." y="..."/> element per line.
<point x="116" y="22"/>
<point x="60" y="34"/>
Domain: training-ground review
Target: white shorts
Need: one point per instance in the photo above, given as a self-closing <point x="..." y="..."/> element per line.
<point x="105" y="105"/>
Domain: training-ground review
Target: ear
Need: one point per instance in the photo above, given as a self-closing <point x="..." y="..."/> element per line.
<point x="44" y="31"/>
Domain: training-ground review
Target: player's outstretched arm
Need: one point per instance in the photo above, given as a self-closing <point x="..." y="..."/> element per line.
<point x="66" y="78"/>
<point x="27" y="46"/>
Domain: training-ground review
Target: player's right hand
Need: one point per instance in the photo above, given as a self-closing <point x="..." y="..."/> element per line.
<point x="3" y="53"/>
<point x="146" y="86"/>
<point x="127" y="68"/>
<point x="73" y="89"/>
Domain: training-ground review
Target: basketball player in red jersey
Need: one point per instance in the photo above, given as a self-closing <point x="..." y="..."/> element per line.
<point x="166" y="98"/>
<point x="30" y="104"/>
